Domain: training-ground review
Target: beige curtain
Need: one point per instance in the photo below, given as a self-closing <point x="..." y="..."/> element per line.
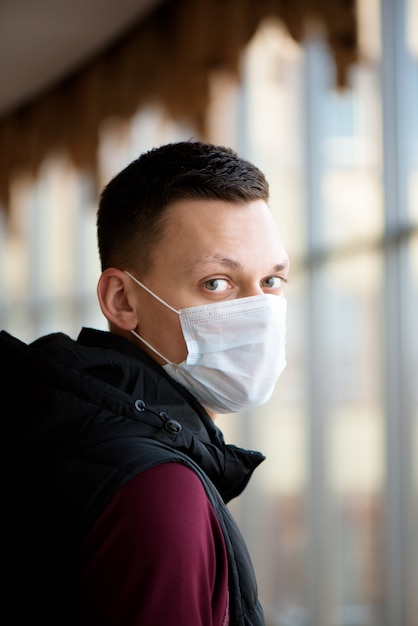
<point x="167" y="57"/>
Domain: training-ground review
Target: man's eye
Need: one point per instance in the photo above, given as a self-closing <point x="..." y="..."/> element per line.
<point x="273" y="282"/>
<point x="216" y="284"/>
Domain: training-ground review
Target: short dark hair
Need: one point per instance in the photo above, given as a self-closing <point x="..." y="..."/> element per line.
<point x="132" y="205"/>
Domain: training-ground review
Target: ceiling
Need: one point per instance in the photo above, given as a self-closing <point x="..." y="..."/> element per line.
<point x="43" y="40"/>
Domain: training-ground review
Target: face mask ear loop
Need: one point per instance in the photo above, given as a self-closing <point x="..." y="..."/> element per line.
<point x="138" y="282"/>
<point x="150" y="346"/>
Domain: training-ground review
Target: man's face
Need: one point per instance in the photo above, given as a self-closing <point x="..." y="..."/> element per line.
<point x="210" y="251"/>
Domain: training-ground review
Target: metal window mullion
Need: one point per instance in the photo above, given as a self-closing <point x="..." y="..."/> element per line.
<point x="319" y="557"/>
<point x="393" y="87"/>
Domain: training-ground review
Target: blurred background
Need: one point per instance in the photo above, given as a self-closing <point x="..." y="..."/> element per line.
<point x="323" y="96"/>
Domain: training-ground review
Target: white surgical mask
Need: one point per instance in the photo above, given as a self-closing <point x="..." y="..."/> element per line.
<point x="236" y="350"/>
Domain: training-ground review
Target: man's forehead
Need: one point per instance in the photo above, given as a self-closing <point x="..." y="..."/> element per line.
<point x="213" y="232"/>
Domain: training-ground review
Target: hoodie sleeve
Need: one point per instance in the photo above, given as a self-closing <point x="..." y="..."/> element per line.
<point x="156" y="555"/>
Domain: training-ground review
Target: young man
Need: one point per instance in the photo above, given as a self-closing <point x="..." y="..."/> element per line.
<point x="117" y="477"/>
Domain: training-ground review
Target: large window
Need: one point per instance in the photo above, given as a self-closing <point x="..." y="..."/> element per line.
<point x="332" y="516"/>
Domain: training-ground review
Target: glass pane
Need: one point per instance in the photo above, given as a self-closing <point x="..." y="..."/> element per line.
<point x="410" y="336"/>
<point x="411" y="117"/>
<point x="350" y="152"/>
<point x="354" y="437"/>
<point x="412" y="141"/>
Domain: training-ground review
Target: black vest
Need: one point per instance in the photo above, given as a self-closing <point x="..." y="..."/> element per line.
<point x="80" y="420"/>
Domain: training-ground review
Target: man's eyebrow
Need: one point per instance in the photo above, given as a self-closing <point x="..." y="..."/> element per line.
<point x="201" y="263"/>
<point x="282" y="267"/>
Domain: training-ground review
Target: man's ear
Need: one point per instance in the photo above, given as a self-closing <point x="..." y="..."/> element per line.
<point x="116" y="298"/>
